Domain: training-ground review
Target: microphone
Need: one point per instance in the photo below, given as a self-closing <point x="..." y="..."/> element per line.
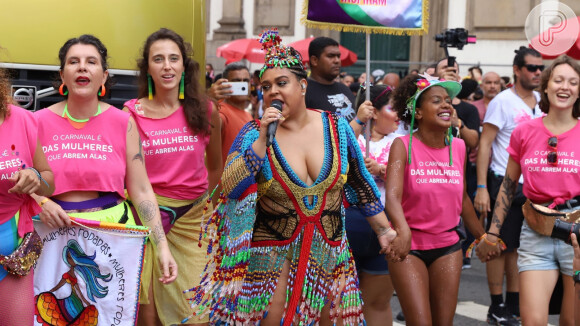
<point x="274" y="125"/>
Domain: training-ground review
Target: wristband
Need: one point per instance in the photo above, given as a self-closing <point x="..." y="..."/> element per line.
<point x="39" y="176"/>
<point x="576" y="277"/>
<point x="357" y="120"/>
<point x="385" y="231"/>
<point x="481" y="186"/>
<point x="494" y="234"/>
<point x="44" y="201"/>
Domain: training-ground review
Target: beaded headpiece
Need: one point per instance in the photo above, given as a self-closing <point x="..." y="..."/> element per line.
<point x="452" y="87"/>
<point x="277" y="54"/>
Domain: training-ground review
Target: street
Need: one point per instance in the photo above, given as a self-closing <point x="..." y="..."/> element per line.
<point x="473" y="300"/>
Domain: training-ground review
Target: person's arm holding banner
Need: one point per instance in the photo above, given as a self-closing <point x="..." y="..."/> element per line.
<point x="143" y="197"/>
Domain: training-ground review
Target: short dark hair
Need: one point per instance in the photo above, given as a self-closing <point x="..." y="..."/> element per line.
<point x="521" y="53"/>
<point x="380" y="95"/>
<point x="86" y="39"/>
<point x="478" y="68"/>
<point x="407" y="88"/>
<point x="545" y="78"/>
<point x="318" y="45"/>
<point x="234" y="67"/>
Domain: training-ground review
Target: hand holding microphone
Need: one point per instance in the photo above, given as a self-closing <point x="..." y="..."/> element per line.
<point x="271" y="132"/>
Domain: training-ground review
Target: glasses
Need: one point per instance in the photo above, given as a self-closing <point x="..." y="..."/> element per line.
<point x="534" y="68"/>
<point x="553" y="154"/>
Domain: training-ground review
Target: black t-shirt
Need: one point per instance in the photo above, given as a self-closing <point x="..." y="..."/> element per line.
<point x="468" y="114"/>
<point x="335" y="98"/>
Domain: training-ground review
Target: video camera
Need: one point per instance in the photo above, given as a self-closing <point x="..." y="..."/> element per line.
<point x="454" y="38"/>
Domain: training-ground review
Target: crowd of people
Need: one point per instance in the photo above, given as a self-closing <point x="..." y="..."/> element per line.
<point x="353" y="199"/>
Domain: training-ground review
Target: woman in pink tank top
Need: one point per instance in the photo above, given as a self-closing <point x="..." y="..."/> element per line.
<point x="545" y="151"/>
<point x="94" y="151"/>
<point x="180" y="133"/>
<point x="425" y="195"/>
<point x="24" y="171"/>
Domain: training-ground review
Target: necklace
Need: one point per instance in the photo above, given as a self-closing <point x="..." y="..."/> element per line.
<point x="522" y="97"/>
<point x="65" y="112"/>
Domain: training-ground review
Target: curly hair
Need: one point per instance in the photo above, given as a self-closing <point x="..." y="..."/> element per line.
<point x="5" y="98"/>
<point x="86" y="39"/>
<point x="406" y="89"/>
<point x="545" y="79"/>
<point x="195" y="103"/>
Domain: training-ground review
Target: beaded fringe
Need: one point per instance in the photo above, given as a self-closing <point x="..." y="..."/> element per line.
<point x="239" y="281"/>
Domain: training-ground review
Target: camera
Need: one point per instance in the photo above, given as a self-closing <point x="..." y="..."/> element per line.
<point x="455" y="38"/>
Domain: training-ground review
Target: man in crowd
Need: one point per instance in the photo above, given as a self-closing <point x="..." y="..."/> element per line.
<point x="233" y="114"/>
<point x="506" y="110"/>
<point x="392" y="80"/>
<point x="323" y="92"/>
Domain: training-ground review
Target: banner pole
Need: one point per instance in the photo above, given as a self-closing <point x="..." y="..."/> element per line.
<point x="368" y="90"/>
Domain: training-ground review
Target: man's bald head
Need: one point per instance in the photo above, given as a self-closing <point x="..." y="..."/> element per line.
<point x="391" y="79"/>
<point x="490" y="84"/>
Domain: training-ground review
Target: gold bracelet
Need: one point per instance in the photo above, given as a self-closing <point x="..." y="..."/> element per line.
<point x="42" y="202"/>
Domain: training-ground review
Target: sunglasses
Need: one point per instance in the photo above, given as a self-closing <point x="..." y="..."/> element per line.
<point x="534" y="68"/>
<point x="553" y="154"/>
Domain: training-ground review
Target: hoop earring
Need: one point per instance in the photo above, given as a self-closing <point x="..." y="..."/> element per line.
<point x="62" y="91"/>
<point x="102" y="91"/>
<point x="150" y="86"/>
<point x="182" y="86"/>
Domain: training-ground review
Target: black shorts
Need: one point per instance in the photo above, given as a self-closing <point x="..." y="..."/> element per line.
<point x="431" y="255"/>
<point x="512" y="224"/>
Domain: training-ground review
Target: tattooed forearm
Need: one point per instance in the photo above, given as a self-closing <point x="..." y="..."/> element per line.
<point x="146" y="210"/>
<point x="157" y="234"/>
<point x="139" y="156"/>
<point x="504" y="200"/>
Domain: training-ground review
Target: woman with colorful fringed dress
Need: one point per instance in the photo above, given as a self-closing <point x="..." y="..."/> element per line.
<point x="172" y="104"/>
<point x="279" y="250"/>
<point x="23" y="171"/>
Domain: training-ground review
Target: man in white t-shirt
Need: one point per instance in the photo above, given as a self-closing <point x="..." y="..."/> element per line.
<point x="508" y="109"/>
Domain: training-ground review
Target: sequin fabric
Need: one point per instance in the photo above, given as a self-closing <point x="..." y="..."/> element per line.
<point x="266" y="215"/>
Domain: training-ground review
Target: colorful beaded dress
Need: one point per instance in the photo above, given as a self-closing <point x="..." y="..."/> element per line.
<point x="267" y="215"/>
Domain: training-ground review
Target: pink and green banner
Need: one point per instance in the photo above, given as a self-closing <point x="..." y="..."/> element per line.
<point x="375" y="16"/>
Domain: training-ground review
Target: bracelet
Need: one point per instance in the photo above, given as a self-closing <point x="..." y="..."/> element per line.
<point x="576" y="277"/>
<point x="494" y="234"/>
<point x="489" y="242"/>
<point x="39" y="176"/>
<point x="384" y="232"/>
<point x="357" y="120"/>
<point x="44" y="201"/>
<point x="481" y="186"/>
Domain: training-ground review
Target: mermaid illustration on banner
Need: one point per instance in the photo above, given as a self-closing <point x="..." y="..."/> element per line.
<point x="74" y="309"/>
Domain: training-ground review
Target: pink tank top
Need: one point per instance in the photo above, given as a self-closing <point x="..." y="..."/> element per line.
<point x="18" y="138"/>
<point x="433" y="194"/>
<point x="174" y="155"/>
<point x="93" y="158"/>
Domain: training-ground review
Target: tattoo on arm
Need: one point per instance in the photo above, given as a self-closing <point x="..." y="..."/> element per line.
<point x="157" y="234"/>
<point x="139" y="156"/>
<point x="129" y="127"/>
<point x="147" y="210"/>
<point x="508" y="188"/>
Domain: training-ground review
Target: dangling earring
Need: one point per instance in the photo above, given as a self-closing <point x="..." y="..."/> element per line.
<point x="150" y="86"/>
<point x="102" y="91"/>
<point x="62" y="91"/>
<point x="182" y="86"/>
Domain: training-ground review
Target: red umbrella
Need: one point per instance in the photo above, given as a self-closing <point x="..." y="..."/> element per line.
<point x="245" y="48"/>
<point x="347" y="57"/>
<point x="553" y="39"/>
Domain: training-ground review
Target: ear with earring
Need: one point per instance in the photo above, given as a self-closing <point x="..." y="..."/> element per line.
<point x="150" y="86"/>
<point x="303" y="87"/>
<point x="182" y="86"/>
<point x="62" y="91"/>
<point x="102" y="91"/>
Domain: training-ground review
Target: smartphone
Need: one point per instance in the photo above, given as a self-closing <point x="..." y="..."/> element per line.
<point x="239" y="88"/>
<point x="451" y="61"/>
